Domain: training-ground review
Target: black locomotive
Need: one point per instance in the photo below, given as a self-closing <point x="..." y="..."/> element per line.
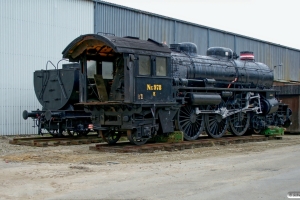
<point x="144" y="88"/>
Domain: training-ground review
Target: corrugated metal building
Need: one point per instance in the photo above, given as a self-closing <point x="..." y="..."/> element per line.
<point x="124" y="21"/>
<point x="33" y="32"/>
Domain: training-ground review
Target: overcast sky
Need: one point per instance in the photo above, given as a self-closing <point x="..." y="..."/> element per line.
<point x="276" y="21"/>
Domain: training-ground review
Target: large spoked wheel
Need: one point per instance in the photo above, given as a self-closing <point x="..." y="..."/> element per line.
<point x="190" y="123"/>
<point x="215" y="126"/>
<point x="134" y="139"/>
<point x="111" y="136"/>
<point x="239" y="123"/>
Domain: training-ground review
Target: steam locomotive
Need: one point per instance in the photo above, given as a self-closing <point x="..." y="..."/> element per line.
<point x="139" y="88"/>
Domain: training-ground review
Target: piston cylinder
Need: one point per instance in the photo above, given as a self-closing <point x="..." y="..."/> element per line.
<point x="269" y="106"/>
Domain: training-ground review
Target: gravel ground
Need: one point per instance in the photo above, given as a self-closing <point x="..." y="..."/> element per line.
<point x="258" y="170"/>
<point x="80" y="154"/>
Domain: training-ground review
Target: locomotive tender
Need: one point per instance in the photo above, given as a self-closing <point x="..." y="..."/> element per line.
<point x="57" y="91"/>
<point x="144" y="88"/>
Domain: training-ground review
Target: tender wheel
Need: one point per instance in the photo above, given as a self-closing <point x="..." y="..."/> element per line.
<point x="215" y="126"/>
<point x="56" y="133"/>
<point x="134" y="139"/>
<point x="190" y="123"/>
<point x="84" y="133"/>
<point x="73" y="133"/>
<point x="239" y="123"/>
<point x="257" y="131"/>
<point x="111" y="136"/>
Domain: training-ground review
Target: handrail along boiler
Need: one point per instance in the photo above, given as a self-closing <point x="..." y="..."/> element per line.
<point x="144" y="88"/>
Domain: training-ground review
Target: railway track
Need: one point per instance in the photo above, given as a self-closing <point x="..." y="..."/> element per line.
<point x="126" y="147"/>
<point x="51" y="141"/>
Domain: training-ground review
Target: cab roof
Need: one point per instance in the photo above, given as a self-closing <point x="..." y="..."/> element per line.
<point x="108" y="45"/>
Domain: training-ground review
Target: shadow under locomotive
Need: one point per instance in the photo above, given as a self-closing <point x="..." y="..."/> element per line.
<point x="139" y="88"/>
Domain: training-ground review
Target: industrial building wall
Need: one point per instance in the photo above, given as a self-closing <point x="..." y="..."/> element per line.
<point x="31" y="33"/>
<point x="124" y="21"/>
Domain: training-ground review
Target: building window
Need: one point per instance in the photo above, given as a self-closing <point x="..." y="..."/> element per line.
<point x="161" y="66"/>
<point x="144" y="65"/>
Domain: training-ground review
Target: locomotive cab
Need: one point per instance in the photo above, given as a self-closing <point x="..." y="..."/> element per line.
<point x="105" y="79"/>
<point x="113" y="70"/>
<point x="131" y="78"/>
<point x="126" y="84"/>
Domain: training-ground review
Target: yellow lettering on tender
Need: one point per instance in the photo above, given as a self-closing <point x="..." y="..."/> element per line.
<point x="154" y="87"/>
<point x="148" y="87"/>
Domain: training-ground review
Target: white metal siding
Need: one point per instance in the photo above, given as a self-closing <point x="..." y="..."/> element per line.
<point x="31" y="33"/>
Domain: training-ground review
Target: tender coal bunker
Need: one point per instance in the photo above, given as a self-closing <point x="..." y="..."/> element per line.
<point x="57" y="89"/>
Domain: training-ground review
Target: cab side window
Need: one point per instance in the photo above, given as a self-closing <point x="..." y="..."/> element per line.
<point x="91" y="68"/>
<point x="161" y="66"/>
<point x="144" y="65"/>
<point x="107" y="70"/>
